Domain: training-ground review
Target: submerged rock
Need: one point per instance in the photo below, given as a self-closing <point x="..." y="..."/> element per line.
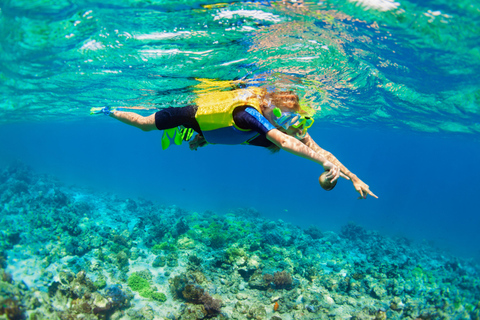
<point x="257" y="281"/>
<point x="256" y="312"/>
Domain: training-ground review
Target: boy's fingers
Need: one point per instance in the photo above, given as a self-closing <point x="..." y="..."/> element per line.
<point x="361" y="193"/>
<point x="344" y="176"/>
<point x="372" y="194"/>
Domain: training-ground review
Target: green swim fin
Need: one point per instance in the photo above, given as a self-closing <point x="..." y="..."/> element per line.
<point x="178" y="134"/>
<point x="167" y="135"/>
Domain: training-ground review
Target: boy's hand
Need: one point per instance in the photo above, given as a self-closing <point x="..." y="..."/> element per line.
<point x="197" y="142"/>
<point x="363" y="189"/>
<point x="332" y="171"/>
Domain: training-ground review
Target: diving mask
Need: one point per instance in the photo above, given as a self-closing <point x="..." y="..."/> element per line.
<point x="291" y="119"/>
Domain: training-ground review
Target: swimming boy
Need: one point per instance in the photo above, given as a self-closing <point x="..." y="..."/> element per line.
<point x="250" y="116"/>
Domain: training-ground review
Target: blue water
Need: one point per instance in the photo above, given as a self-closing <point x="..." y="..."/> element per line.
<point x="396" y="93"/>
<point x="426" y="184"/>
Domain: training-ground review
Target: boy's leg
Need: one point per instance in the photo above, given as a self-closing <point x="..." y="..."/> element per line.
<point x="164" y="119"/>
<point x="136" y="120"/>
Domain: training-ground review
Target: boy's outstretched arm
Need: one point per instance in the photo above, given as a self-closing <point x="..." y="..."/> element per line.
<point x="358" y="184"/>
<point x="294" y="146"/>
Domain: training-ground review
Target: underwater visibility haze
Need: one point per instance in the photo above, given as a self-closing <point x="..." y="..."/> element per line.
<point x="102" y="221"/>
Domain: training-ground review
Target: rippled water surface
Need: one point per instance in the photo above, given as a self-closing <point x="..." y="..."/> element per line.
<point x="406" y="64"/>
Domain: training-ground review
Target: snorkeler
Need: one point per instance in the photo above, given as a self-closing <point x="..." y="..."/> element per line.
<point x="250" y="116"/>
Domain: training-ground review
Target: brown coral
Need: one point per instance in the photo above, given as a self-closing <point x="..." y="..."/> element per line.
<point x="212" y="306"/>
<point x="12" y="309"/>
<point x="268" y="278"/>
<point x="282" y="280"/>
<point x="193" y="293"/>
<point x="183" y="288"/>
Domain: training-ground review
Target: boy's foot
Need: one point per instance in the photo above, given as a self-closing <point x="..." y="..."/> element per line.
<point x="104" y="110"/>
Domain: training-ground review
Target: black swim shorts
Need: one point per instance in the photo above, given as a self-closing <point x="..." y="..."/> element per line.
<point x="177" y="116"/>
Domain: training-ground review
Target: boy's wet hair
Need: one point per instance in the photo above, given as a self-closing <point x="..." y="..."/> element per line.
<point x="287" y="99"/>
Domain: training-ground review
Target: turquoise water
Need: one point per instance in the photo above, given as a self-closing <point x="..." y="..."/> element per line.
<point x="403" y="65"/>
<point x="395" y="87"/>
<point x="392" y="73"/>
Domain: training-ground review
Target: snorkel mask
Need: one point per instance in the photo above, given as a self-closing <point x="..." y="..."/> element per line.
<point x="292" y="120"/>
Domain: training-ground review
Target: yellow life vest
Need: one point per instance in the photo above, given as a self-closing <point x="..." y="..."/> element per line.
<point x="215" y="109"/>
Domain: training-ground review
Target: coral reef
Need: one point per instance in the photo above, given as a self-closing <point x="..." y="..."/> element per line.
<point x="186" y="287"/>
<point x="282" y="280"/>
<point x="12" y="309"/>
<point x="314" y="232"/>
<point x="68" y="253"/>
